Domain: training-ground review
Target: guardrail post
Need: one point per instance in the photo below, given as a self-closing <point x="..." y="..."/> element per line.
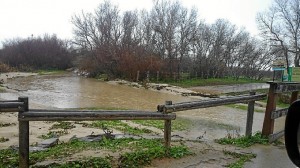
<point x="268" y="125"/>
<point x="167" y="132"/>
<point x="23" y="136"/>
<point x="250" y="114"/>
<point x="294" y="96"/>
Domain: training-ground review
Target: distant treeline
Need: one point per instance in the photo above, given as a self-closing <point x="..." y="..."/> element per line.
<point x="169" y="38"/>
<point x="29" y="54"/>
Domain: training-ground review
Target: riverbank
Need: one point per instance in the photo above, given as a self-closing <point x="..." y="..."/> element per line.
<point x="170" y="89"/>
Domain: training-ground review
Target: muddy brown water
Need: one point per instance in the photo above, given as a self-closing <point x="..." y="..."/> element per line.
<point x="71" y="91"/>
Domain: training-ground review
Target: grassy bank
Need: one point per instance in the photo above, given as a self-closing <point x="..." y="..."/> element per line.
<point x="210" y="82"/>
<point x="132" y="153"/>
<point x="50" y="72"/>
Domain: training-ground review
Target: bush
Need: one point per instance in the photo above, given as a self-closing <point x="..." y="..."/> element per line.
<point x="5" y="68"/>
<point x="48" y="52"/>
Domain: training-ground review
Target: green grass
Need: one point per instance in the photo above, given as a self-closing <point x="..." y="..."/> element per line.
<point x="142" y="151"/>
<point x="54" y="134"/>
<point x="63" y="125"/>
<point x="118" y="125"/>
<point x="244" y="107"/>
<point x="210" y="82"/>
<point x="178" y="124"/>
<point x="258" y="91"/>
<point x="279" y="103"/>
<point x="296" y="74"/>
<point x="244" y="141"/>
<point x="50" y="72"/>
<point x="242" y="159"/>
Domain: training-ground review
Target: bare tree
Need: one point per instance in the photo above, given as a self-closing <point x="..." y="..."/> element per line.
<point x="280" y="27"/>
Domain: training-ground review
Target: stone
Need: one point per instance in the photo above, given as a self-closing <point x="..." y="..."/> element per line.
<point x="48" y="143"/>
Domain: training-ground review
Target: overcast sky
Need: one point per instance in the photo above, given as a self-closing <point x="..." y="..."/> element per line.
<point x="23" y="18"/>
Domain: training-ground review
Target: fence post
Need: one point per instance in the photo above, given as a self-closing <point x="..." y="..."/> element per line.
<point x="23" y="136"/>
<point x="167" y="132"/>
<point x="250" y="114"/>
<point x="294" y="96"/>
<point x="137" y="76"/>
<point x="268" y="125"/>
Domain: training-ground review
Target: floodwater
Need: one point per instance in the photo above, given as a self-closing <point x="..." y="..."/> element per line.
<point x="71" y="91"/>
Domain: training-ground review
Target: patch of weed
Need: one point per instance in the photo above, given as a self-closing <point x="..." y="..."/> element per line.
<point x="6" y="124"/>
<point x="3" y="139"/>
<point x="243" y="107"/>
<point x="144" y="157"/>
<point x="50" y="72"/>
<point x="178" y="124"/>
<point x="118" y="125"/>
<point x="63" y="125"/>
<point x="242" y="159"/>
<point x="54" y="134"/>
<point x="210" y="82"/>
<point x="142" y="152"/>
<point x="244" y="141"/>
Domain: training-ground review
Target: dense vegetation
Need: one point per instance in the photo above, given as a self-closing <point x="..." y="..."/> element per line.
<point x="133" y="153"/>
<point x="34" y="53"/>
<point x="167" y="41"/>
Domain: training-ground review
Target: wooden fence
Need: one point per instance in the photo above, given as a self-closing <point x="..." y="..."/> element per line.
<point x="25" y="115"/>
<point x="250" y="99"/>
<point x="271" y="113"/>
<point x="164" y="112"/>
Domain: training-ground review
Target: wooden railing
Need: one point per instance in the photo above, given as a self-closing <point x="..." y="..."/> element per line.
<point x="25" y="115"/>
<point x="271" y="113"/>
<point x="250" y="99"/>
<point x="164" y="112"/>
